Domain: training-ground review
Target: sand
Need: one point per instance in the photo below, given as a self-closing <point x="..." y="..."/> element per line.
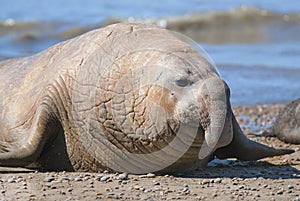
<point x="275" y="178"/>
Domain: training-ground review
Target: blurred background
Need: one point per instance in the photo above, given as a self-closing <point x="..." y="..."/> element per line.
<point x="255" y="44"/>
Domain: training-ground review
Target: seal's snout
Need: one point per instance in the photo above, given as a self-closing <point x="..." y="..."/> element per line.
<point x="218" y="131"/>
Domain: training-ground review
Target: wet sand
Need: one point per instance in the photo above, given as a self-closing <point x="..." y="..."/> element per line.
<point x="275" y="178"/>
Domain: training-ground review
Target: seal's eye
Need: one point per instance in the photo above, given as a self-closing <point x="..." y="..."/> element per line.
<point x="182" y="82"/>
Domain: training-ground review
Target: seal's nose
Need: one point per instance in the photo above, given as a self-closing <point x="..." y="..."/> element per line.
<point x="218" y="133"/>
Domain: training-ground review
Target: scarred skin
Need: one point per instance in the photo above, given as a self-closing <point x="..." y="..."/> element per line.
<point x="287" y="124"/>
<point x="92" y="102"/>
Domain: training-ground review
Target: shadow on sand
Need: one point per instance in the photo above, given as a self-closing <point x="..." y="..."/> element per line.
<point x="234" y="168"/>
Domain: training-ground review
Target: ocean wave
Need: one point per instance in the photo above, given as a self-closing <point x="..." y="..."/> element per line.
<point x="22" y="31"/>
<point x="244" y="24"/>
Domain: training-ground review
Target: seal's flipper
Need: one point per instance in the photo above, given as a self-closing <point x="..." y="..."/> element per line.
<point x="26" y="150"/>
<point x="245" y="149"/>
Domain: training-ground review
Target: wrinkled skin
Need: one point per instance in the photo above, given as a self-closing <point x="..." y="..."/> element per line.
<point x="128" y="97"/>
<point x="287" y="124"/>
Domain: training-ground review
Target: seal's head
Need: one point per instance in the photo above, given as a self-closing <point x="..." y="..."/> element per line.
<point x="172" y="97"/>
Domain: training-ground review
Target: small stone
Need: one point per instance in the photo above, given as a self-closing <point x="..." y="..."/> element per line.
<point x="185" y="190"/>
<point x="64" y="179"/>
<point x="137" y="187"/>
<point x="156" y="189"/>
<point x="280" y="192"/>
<point x="98" y="177"/>
<point x="150" y="175"/>
<point x="11" y="180"/>
<point x="111" y="195"/>
<point x="77" y="179"/>
<point x="123" y="176"/>
<point x="85" y="178"/>
<point x="290" y="187"/>
<point x="19" y="180"/>
<point x="156" y="183"/>
<point x="218" y="180"/>
<point x="49" y="179"/>
<point x="205" y="181"/>
<point x="104" y="178"/>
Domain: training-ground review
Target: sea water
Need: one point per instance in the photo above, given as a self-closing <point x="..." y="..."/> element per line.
<point x="255" y="44"/>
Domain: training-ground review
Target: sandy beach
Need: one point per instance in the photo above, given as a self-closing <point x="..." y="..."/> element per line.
<point x="275" y="178"/>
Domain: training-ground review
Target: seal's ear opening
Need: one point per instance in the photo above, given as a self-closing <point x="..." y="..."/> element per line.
<point x="245" y="149"/>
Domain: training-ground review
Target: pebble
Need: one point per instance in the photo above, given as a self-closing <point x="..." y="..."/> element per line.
<point x="137" y="187"/>
<point x="156" y="189"/>
<point x="85" y="178"/>
<point x="104" y="178"/>
<point x="77" y="179"/>
<point x="111" y="195"/>
<point x="205" y="181"/>
<point x="64" y="179"/>
<point x="280" y="192"/>
<point x="218" y="180"/>
<point x="11" y="180"/>
<point x="145" y="197"/>
<point x="49" y="179"/>
<point x="150" y="175"/>
<point x="123" y="176"/>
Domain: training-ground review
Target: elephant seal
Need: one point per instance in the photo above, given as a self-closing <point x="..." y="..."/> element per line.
<point x="134" y="98"/>
<point x="287" y="124"/>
